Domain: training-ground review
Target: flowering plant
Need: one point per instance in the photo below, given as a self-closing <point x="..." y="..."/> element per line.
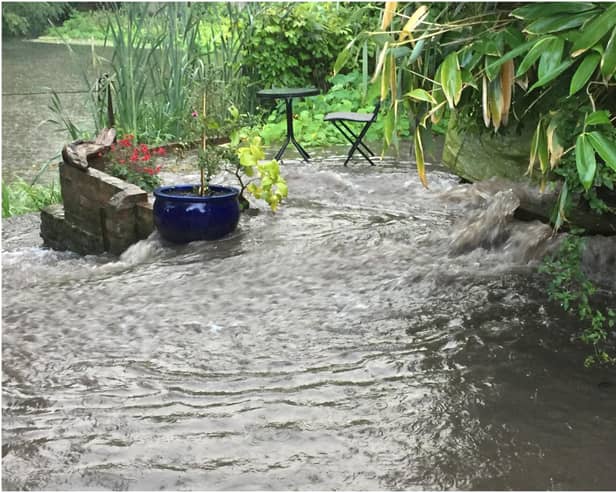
<point x="134" y="163"/>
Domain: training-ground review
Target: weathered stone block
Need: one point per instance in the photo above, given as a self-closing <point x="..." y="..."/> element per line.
<point x="59" y="234"/>
<point x="100" y="213"/>
<point x="145" y="219"/>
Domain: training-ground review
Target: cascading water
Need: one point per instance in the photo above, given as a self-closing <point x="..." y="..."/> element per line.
<point x="369" y="335"/>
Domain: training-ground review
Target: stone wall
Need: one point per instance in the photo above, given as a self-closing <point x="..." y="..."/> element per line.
<point x="100" y="213"/>
<point x="480" y="156"/>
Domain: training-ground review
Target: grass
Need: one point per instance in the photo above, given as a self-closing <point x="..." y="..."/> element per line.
<point x="19" y="197"/>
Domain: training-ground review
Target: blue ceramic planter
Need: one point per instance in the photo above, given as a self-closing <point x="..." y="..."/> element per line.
<point x="183" y="218"/>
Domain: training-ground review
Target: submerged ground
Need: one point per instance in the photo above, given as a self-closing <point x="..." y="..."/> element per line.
<point x="370" y="335"/>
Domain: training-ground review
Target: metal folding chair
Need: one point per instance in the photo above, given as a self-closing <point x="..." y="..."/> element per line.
<point x="339" y="120"/>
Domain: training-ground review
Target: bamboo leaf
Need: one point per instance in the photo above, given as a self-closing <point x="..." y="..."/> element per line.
<point x="584" y="72"/>
<point x="507" y="77"/>
<point x="419" y="158"/>
<point x="542" y="150"/>
<point x="495" y="102"/>
<point x="416" y="18"/>
<point x="510" y="55"/>
<point x="534" y="149"/>
<point x="558" y="23"/>
<point x="608" y="62"/>
<point x="343" y="56"/>
<point x="421" y="95"/>
<point x="551" y="56"/>
<point x="555" y="148"/>
<point x="563" y="197"/>
<point x="417" y="49"/>
<point x="381" y="61"/>
<point x="585" y="161"/>
<point x="451" y="79"/>
<point x="484" y="102"/>
<point x="594" y="30"/>
<point x="605" y="147"/>
<point x="388" y="14"/>
<point x="533" y="55"/>
<point x="601" y="117"/>
<point x="552" y="75"/>
<point x="537" y="10"/>
<point x="388" y="127"/>
<point x="393" y="87"/>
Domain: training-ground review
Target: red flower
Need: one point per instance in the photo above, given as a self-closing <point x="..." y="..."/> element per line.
<point x="122" y="161"/>
<point x="158" y="168"/>
<point x="149" y="171"/>
<point x="160" y="151"/>
<point x="144" y="148"/>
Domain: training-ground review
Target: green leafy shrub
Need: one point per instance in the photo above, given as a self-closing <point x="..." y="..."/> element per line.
<point x="344" y="95"/>
<point x="296" y="44"/>
<point x="30" y="18"/>
<point x="20" y="197"/>
<point x="574" y="291"/>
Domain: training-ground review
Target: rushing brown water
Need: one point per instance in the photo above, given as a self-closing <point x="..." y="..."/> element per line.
<point x="370" y="335"/>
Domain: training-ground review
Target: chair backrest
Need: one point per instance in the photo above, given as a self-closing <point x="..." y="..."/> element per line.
<point x="377" y="107"/>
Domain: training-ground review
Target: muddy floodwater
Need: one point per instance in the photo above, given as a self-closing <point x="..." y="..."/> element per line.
<point x="370" y="335"/>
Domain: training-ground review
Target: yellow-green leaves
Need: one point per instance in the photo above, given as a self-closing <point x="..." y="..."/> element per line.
<point x="414" y="20"/>
<point x="484" y="102"/>
<point x="594" y="30"/>
<point x="539" y="149"/>
<point x="388" y="14"/>
<point x="555" y="148"/>
<point x="421" y="95"/>
<point x="419" y="157"/>
<point x="451" y="79"/>
<point x="585" y="161"/>
<point x="584" y="72"/>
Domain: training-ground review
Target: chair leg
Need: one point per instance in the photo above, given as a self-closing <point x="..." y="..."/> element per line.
<point x="356" y="142"/>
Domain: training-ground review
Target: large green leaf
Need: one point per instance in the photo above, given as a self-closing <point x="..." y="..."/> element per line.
<point x="451" y="79"/>
<point x="552" y="75"/>
<point x="421" y="95"/>
<point x="510" y="55"/>
<point x="551" y="57"/>
<point x="601" y="117"/>
<point x="604" y="147"/>
<point x="595" y="30"/>
<point x="585" y="161"/>
<point x="557" y="23"/>
<point x="608" y="63"/>
<point x="537" y="10"/>
<point x="533" y="54"/>
<point x="584" y="72"/>
<point x="417" y="50"/>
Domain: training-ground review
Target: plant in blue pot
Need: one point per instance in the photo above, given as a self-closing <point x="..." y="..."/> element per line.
<point x="204" y="211"/>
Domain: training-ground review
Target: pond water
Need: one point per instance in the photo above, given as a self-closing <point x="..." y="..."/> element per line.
<point x="370" y="335"/>
<point x="29" y="71"/>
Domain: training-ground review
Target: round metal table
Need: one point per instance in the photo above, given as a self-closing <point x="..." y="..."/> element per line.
<point x="288" y="94"/>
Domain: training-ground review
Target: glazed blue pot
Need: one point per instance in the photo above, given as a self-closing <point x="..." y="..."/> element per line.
<point x="183" y="218"/>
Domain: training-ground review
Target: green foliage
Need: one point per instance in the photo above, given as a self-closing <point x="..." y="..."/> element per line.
<point x="20" y="197"/>
<point x="309" y="126"/>
<point x="574" y="291"/>
<point x="449" y="57"/>
<point x="296" y="44"/>
<point x="81" y="25"/>
<point x="30" y="18"/>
